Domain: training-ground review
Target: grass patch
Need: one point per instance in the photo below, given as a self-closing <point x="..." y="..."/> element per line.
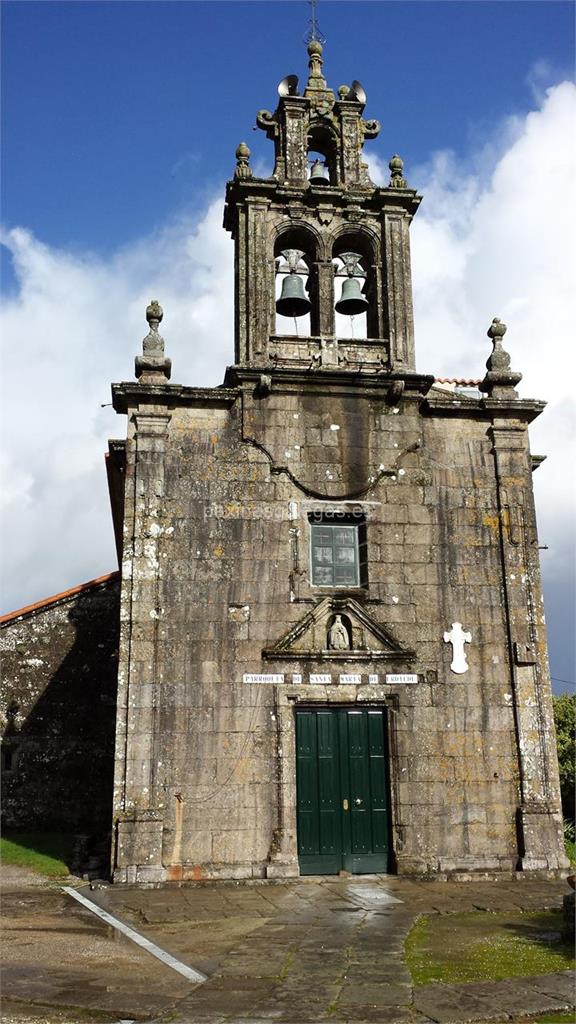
<point x="570" y="848"/>
<point x="479" y="946"/>
<point x="45" y="852"/>
<point x="557" y="1018"/>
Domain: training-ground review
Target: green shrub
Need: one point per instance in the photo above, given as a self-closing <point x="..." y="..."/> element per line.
<point x="565" y="719"/>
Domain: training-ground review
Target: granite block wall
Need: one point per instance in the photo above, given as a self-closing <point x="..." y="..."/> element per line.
<point x="58" y="711"/>
<point x="217" y="575"/>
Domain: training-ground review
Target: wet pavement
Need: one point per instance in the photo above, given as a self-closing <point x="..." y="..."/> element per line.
<point x="301" y="952"/>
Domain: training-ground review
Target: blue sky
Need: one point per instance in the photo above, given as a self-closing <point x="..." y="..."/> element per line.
<point x="120" y="122"/>
<point x="116" y="114"/>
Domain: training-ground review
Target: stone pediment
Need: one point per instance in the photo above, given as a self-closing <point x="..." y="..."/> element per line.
<point x="338" y="628"/>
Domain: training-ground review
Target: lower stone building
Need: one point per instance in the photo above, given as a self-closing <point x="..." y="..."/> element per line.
<point x="332" y="644"/>
<point x="58" y="711"/>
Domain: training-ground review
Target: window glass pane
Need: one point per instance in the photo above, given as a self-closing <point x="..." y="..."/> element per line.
<point x="345" y="575"/>
<point x="345" y="535"/>
<point x="322" y="576"/>
<point x="345" y="554"/>
<point x="323" y="556"/>
<point x="320" y="535"/>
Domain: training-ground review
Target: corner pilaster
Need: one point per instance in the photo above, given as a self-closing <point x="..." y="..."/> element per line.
<point x="539" y="818"/>
<point x="137" y="802"/>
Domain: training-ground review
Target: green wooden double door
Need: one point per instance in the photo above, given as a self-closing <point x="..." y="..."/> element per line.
<point x="342" y="790"/>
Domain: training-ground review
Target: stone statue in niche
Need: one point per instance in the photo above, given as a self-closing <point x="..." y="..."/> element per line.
<point x="338" y="635"/>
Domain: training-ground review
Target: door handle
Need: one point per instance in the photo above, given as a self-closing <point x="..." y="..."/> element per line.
<point x="358" y="801"/>
<point x="345" y="805"/>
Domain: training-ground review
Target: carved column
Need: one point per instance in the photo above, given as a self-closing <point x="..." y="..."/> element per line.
<point x="326" y="319"/>
<point x="377" y="327"/>
<point x="295" y="128"/>
<point x="399" y="291"/>
<point x="241" y="282"/>
<point x="352" y="142"/>
<point x="259" y="281"/>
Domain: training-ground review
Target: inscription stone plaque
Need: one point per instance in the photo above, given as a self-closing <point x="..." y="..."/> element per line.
<point x="254" y="677"/>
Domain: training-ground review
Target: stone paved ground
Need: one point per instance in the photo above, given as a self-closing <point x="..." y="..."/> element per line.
<point x="302" y="952"/>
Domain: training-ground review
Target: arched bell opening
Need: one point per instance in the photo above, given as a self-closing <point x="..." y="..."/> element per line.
<point x="295" y="284"/>
<point x="293" y="304"/>
<point x="351" y="303"/>
<point x="355" y="288"/>
<point x="322" y="155"/>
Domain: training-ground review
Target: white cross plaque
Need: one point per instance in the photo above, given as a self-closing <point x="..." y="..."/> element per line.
<point x="457" y="637"/>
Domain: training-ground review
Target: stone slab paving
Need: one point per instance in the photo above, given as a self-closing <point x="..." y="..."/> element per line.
<point x="485" y="1001"/>
<point x="561" y="985"/>
<point x="300" y="952"/>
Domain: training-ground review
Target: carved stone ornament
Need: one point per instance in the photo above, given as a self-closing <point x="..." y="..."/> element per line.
<point x="153" y="367"/>
<point x="324" y="215"/>
<point x="370" y="129"/>
<point x="295" y="210"/>
<point x="352" y="268"/>
<point x="316" y="79"/>
<point x="397" y="179"/>
<point x="338" y="638"/>
<point x="500" y="380"/>
<point x="294" y="263"/>
<point x="243" y="169"/>
<point x="339" y="628"/>
<point x="353" y="214"/>
<point x="266" y="120"/>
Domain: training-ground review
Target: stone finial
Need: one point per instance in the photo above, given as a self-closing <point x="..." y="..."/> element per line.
<point x="343" y="91"/>
<point x="500" y="380"/>
<point x="154" y="314"/>
<point x="316" y="79"/>
<point x="397" y="179"/>
<point x="243" y="169"/>
<point x="152" y="367"/>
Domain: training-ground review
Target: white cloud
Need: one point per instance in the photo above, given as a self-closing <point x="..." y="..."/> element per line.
<point x="494" y="237"/>
<point x="75" y="325"/>
<point x="504" y="246"/>
<point x="499" y="241"/>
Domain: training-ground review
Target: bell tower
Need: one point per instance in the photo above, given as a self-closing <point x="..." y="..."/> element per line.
<point x="322" y="255"/>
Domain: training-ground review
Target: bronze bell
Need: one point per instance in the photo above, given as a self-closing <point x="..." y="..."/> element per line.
<point x="293" y="301"/>
<point x="352" y="301"/>
<point x="317" y="175"/>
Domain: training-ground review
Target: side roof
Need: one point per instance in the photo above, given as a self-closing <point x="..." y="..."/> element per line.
<point x="65" y="595"/>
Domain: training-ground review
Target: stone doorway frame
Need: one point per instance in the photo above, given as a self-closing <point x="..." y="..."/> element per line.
<point x="283" y="857"/>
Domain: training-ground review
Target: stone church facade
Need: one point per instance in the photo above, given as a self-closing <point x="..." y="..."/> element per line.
<point x="332" y="648"/>
<point x="333" y="653"/>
